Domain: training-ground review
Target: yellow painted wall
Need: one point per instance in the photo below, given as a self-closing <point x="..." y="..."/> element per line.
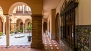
<point x="83" y="12"/>
<point x="58" y="10"/>
<point x="48" y="22"/>
<point x="36" y="5"/>
<point x="53" y="17"/>
<point x="51" y="23"/>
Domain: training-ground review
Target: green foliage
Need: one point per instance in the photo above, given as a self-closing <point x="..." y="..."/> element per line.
<point x="1" y="33"/>
<point x="29" y="27"/>
<point x="16" y="26"/>
<point x="11" y="31"/>
<point x="20" y="30"/>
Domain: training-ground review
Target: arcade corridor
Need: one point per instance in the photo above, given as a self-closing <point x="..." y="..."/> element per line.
<point x="49" y="45"/>
<point x="66" y="24"/>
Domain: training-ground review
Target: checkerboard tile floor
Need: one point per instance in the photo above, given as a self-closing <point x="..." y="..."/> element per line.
<point x="49" y="45"/>
<point x="15" y="46"/>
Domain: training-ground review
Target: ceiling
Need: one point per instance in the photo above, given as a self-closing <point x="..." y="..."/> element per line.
<point x="48" y="5"/>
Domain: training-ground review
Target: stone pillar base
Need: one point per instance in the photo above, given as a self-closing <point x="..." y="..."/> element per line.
<point x="37" y="45"/>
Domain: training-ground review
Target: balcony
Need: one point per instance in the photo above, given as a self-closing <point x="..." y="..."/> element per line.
<point x="21" y="13"/>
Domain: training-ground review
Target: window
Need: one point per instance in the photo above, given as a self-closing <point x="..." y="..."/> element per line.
<point x="68" y="23"/>
<point x="21" y="8"/>
<point x="18" y="8"/>
<point x="27" y="8"/>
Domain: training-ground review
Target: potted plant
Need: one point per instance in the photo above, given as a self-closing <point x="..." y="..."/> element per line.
<point x="11" y="32"/>
<point x="1" y="34"/>
<point x="20" y="30"/>
<point x="16" y="27"/>
<point x="29" y="29"/>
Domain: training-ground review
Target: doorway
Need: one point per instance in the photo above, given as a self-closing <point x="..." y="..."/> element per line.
<point x="44" y="27"/>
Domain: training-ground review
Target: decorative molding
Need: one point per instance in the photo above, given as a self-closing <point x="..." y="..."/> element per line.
<point x="37" y="15"/>
<point x="7" y="15"/>
<point x="83" y="39"/>
<point x="70" y="6"/>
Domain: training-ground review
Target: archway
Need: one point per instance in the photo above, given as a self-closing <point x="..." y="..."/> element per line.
<point x="19" y="25"/>
<point x="1" y="25"/>
<point x="37" y="17"/>
<point x="2" y="20"/>
<point x="18" y="6"/>
<point x="27" y="23"/>
<point x="20" y="12"/>
<point x="57" y="27"/>
<point x="49" y="25"/>
<point x="37" y="9"/>
<point x="44" y="27"/>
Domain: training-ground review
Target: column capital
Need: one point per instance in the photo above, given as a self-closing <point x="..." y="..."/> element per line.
<point x="36" y="15"/>
<point x="7" y="15"/>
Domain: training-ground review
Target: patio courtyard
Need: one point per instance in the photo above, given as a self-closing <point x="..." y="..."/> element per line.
<point x="16" y="39"/>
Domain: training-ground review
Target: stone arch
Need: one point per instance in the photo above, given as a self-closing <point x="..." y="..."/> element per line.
<point x="18" y="22"/>
<point x="21" y="26"/>
<point x="1" y="14"/>
<point x="57" y="27"/>
<point x="1" y="23"/>
<point x="35" y="5"/>
<point x="2" y="18"/>
<point x="27" y="21"/>
<point x="1" y="11"/>
<point x="14" y="5"/>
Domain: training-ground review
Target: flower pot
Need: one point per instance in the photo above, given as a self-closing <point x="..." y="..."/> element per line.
<point x="29" y="38"/>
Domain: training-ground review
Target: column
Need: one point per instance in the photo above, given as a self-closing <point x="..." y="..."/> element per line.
<point x="23" y="27"/>
<point x="7" y="30"/>
<point x="37" y="31"/>
<point x="42" y="30"/>
<point x="23" y="8"/>
<point x="4" y="27"/>
<point x="52" y="23"/>
<point x="9" y="24"/>
<point x="42" y="26"/>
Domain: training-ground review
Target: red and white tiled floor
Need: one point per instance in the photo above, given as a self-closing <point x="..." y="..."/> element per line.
<point x="50" y="45"/>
